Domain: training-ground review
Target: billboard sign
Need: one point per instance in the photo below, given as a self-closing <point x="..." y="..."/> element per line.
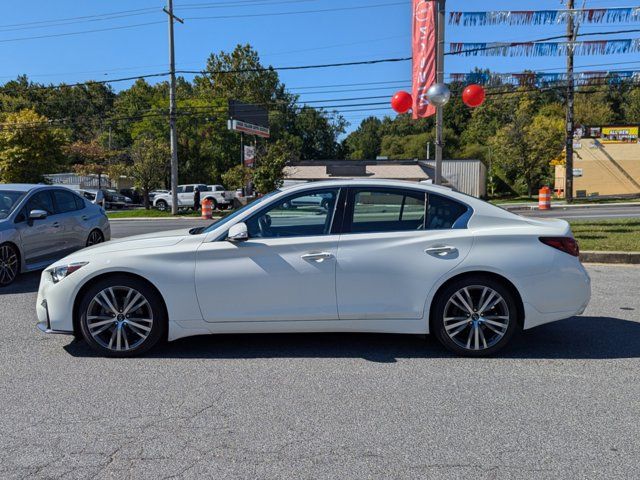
<point x="619" y="134"/>
<point x="248" y="118"/>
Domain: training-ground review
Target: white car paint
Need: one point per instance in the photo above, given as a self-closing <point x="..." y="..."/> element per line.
<point x="374" y="282"/>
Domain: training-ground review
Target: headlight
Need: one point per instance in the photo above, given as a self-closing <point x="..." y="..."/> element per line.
<point x="58" y="273"/>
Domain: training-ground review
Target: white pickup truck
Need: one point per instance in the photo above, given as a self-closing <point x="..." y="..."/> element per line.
<point x="216" y="193"/>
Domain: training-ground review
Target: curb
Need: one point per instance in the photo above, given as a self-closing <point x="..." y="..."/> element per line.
<point x="630" y="258"/>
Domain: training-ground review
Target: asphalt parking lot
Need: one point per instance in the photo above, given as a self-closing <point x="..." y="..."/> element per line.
<point x="562" y="402"/>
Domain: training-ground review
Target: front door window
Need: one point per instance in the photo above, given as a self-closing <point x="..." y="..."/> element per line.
<point x="300" y="215"/>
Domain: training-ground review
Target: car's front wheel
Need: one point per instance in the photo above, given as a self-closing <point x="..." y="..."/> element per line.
<point x="122" y="317"/>
<point x="161" y="205"/>
<point x="475" y="316"/>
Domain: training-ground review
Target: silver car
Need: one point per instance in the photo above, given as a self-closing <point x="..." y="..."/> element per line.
<point x="40" y="224"/>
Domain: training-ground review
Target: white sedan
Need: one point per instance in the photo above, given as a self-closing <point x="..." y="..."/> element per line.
<point x="379" y="256"/>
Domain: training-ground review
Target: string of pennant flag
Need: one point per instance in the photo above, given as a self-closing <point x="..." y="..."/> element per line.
<point x="545" y="17"/>
<point x="546" y="49"/>
<point x="610" y="77"/>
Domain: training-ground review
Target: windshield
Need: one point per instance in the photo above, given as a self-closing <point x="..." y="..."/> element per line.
<point x="8" y="201"/>
<point x="235" y="214"/>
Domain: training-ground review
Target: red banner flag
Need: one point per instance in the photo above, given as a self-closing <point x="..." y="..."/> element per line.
<point x="424" y="55"/>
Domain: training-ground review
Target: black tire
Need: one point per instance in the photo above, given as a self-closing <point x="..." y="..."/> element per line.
<point x="119" y="285"/>
<point x="9" y="264"/>
<point x="491" y="338"/>
<point x="95" y="237"/>
<point x="162" y="205"/>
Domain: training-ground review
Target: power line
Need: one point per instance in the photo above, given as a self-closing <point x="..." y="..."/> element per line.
<point x="82" y="32"/>
<point x="299" y="12"/>
<point x="84" y="17"/>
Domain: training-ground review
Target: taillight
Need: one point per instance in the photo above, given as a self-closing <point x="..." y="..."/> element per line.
<point x="565" y="244"/>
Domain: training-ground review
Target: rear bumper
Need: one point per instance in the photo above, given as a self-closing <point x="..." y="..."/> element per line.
<point x="563" y="292"/>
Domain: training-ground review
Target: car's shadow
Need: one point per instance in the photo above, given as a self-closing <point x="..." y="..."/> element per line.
<point x="575" y="338"/>
<point x="25" y="283"/>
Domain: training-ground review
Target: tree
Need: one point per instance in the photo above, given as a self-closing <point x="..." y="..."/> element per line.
<point x="592" y="109"/>
<point x="150" y="157"/>
<point x="236" y="177"/>
<point x="269" y="172"/>
<point x="524" y="148"/>
<point x="29" y="147"/>
<point x="365" y="142"/>
<point x="91" y="158"/>
<point x="632" y="107"/>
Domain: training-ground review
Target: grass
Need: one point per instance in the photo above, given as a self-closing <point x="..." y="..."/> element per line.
<point x="141" y="213"/>
<point x="576" y="201"/>
<point x="622" y="235"/>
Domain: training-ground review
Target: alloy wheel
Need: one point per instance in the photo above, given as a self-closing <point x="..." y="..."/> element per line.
<point x="119" y="318"/>
<point x="476" y="317"/>
<point x="8" y="264"/>
<point x="95" y="237"/>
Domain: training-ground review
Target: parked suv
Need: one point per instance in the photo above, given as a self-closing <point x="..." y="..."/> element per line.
<point x="215" y="193"/>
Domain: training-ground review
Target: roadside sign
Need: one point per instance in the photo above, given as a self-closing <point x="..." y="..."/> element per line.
<point x="249" y="155"/>
<point x="249" y="128"/>
<point x="577" y="172"/>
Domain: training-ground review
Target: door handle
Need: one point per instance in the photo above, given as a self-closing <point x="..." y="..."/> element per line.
<point x="55" y="225"/>
<point x="317" y="257"/>
<point x="441" y="251"/>
<point x="85" y="217"/>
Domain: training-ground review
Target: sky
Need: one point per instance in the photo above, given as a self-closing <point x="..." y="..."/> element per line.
<point x="346" y="30"/>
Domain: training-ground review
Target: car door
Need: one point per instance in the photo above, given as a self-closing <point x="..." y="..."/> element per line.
<point x="42" y="240"/>
<point x="185" y="196"/>
<point x="69" y="213"/>
<point x="285" y="271"/>
<point x="395" y="245"/>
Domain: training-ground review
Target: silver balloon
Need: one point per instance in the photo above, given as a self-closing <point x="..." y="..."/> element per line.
<point x="438" y="94"/>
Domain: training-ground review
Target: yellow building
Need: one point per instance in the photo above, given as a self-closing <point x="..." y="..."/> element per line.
<point x="609" y="165"/>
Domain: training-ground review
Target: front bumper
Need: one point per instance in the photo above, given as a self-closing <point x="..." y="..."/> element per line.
<point x="54" y="306"/>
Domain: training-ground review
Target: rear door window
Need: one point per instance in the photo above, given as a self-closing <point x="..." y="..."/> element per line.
<point x="65" y="201"/>
<point x="387" y="210"/>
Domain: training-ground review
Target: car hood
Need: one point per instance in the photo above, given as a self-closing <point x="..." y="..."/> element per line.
<point x="148" y="240"/>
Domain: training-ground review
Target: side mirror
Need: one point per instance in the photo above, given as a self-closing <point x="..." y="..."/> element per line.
<point x="37" y="215"/>
<point x="238" y="233"/>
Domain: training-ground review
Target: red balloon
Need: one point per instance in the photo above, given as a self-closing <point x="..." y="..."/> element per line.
<point x="473" y="96"/>
<point x="402" y="102"/>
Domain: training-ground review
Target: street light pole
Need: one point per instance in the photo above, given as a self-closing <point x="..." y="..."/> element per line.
<point x="439" y="79"/>
<point x="173" y="133"/>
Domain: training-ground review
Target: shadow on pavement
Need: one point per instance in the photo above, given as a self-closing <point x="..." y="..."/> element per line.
<point x="575" y="338"/>
<point x="25" y="283"/>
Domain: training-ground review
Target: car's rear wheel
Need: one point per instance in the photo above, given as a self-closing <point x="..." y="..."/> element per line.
<point x="161" y="205"/>
<point x="95" y="237"/>
<point x="475" y="316"/>
<point x="122" y="317"/>
<point x="9" y="264"/>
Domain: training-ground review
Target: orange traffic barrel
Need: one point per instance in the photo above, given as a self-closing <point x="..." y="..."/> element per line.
<point x="207" y="209"/>
<point x="544" y="198"/>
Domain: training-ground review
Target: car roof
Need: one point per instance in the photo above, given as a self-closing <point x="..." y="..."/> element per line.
<point x="21" y="187"/>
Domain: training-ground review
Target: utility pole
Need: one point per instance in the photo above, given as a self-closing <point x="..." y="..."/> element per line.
<point x="439" y="79"/>
<point x="571" y="38"/>
<point x="173" y="133"/>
